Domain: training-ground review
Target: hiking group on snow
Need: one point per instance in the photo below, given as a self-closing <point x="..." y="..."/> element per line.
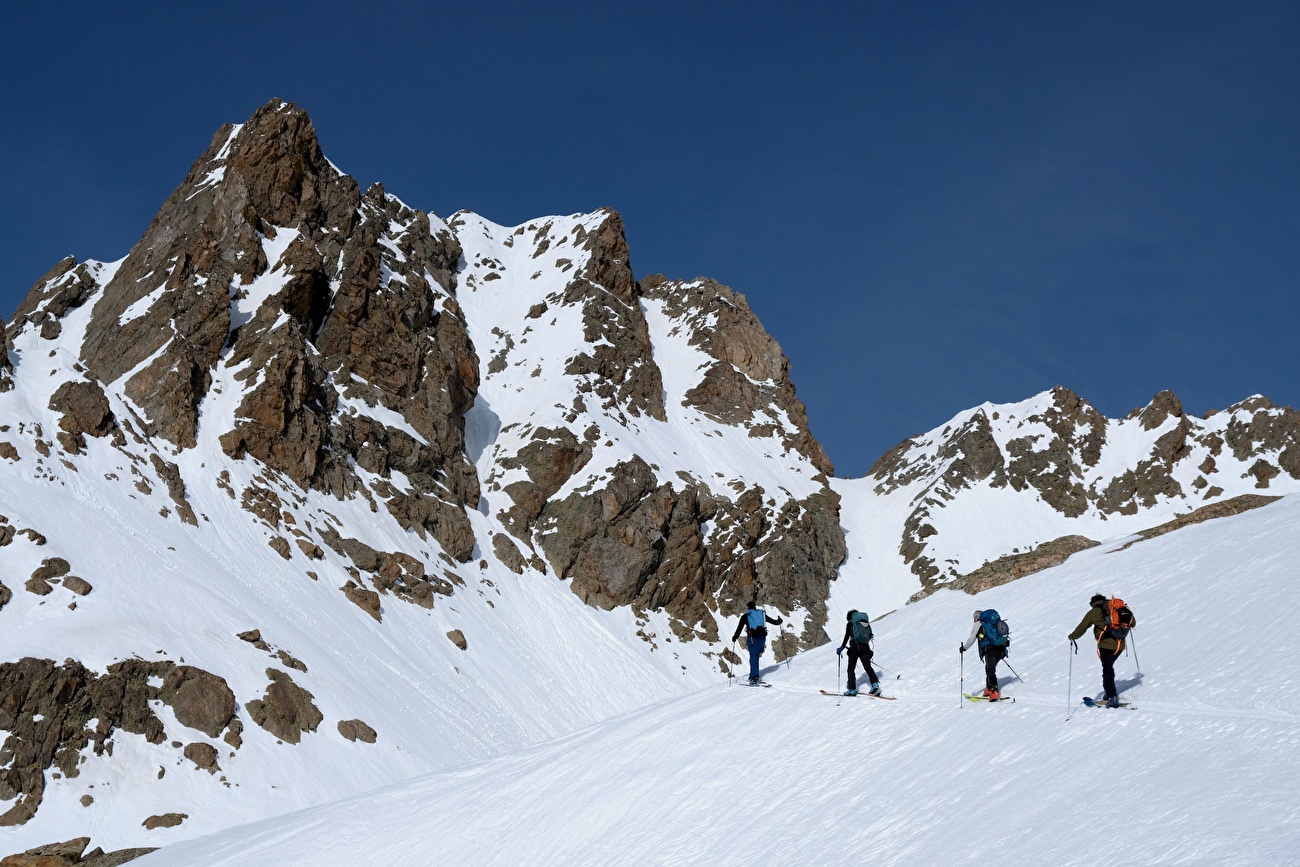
<point x="1110" y="620"/>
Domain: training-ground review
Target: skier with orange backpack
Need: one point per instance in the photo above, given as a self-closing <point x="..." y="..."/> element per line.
<point x="1110" y="620"/>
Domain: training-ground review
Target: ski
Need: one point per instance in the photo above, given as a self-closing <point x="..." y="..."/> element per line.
<point x="974" y="697"/>
<point x="760" y="683"/>
<point x="859" y="695"/>
<point x="1091" y="702"/>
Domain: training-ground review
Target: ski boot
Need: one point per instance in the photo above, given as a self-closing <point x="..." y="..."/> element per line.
<point x="850" y="692"/>
<point x="875" y="689"/>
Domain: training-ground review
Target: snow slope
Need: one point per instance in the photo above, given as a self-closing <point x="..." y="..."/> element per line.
<point x="1206" y="771"/>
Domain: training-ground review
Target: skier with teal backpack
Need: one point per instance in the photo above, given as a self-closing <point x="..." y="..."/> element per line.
<point x="857" y="640"/>
<point x="754" y="623"/>
<point x="993" y="636"/>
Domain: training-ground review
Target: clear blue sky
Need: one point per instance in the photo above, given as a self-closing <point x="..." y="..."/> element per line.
<point x="929" y="204"/>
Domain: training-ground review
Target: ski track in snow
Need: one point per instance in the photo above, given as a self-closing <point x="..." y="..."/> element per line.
<point x="1205" y="771"/>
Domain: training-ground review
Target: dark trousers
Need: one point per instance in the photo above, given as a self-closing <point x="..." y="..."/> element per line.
<point x="755" y="643"/>
<point x="862" y="652"/>
<point x="1108" y="672"/>
<point x="992" y="656"/>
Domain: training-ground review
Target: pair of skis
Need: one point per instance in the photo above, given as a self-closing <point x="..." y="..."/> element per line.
<point x="859" y="695"/>
<point x="1088" y="701"/>
<point x="976" y="697"/>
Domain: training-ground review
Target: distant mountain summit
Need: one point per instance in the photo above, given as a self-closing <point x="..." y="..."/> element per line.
<point x="1002" y="479"/>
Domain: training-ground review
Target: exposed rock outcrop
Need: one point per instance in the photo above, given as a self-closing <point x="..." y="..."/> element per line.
<point x="748" y="385"/>
<point x="641" y="543"/>
<point x="46" y="708"/>
<point x="286" y="710"/>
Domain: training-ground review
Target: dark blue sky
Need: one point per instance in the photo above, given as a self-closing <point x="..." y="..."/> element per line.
<point x="930" y="205"/>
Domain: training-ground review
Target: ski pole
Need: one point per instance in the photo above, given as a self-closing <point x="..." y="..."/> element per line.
<point x="885" y="670"/>
<point x="961" y="690"/>
<point x="1069" y="682"/>
<point x="1013" y="671"/>
<point x="730" y="676"/>
<point x="1137" y="661"/>
<point x="783" y="648"/>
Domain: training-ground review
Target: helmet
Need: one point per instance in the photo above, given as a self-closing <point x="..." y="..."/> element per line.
<point x="849" y="616"/>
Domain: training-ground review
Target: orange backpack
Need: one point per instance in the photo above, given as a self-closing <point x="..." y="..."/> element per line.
<point x="1119" y="620"/>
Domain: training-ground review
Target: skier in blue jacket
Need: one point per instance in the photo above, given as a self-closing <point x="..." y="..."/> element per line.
<point x="754" y="623"/>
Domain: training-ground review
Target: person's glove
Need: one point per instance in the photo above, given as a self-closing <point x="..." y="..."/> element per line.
<point x="961" y="648"/>
<point x="839" y="651"/>
<point x="1075" y="645"/>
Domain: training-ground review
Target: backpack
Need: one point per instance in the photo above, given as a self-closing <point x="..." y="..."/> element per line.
<point x="1118" y="620"/>
<point x="755" y="618"/>
<point x="994" y="631"/>
<point x="861" y="628"/>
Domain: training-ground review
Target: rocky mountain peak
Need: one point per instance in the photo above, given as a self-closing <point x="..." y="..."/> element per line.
<point x="1080" y="466"/>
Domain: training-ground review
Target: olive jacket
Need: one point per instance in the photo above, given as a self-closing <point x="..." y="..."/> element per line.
<point x="1096" y="618"/>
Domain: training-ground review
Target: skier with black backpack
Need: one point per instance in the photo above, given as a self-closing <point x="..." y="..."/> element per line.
<point x="993" y="637"/>
<point x="1110" y="620"/>
<point x="754" y="623"/>
<point x="857" y="640"/>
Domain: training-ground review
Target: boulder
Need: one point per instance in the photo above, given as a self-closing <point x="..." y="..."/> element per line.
<point x="84" y="409"/>
<point x="165" y="820"/>
<point x="204" y="756"/>
<point x="80" y="586"/>
<point x="356" y="730"/>
<point x="286" y="710"/>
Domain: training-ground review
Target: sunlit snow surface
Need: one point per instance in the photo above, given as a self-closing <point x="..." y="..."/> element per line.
<point x="1205" y="771"/>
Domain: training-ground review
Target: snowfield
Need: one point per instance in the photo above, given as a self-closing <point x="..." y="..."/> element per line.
<point x="1205" y="771"/>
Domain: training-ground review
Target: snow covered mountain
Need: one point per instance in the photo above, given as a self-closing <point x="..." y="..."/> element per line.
<point x="1004" y="489"/>
<point x="313" y="492"/>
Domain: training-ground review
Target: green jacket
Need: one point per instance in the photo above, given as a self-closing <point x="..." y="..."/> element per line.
<point x="1096" y="618"/>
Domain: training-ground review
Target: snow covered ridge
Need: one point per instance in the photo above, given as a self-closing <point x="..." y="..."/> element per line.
<point x="1004" y="479"/>
<point x="299" y="480"/>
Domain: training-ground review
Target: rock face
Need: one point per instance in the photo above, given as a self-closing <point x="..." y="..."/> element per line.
<point x="1061" y="453"/>
<point x="568" y="469"/>
<point x="270" y="272"/>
